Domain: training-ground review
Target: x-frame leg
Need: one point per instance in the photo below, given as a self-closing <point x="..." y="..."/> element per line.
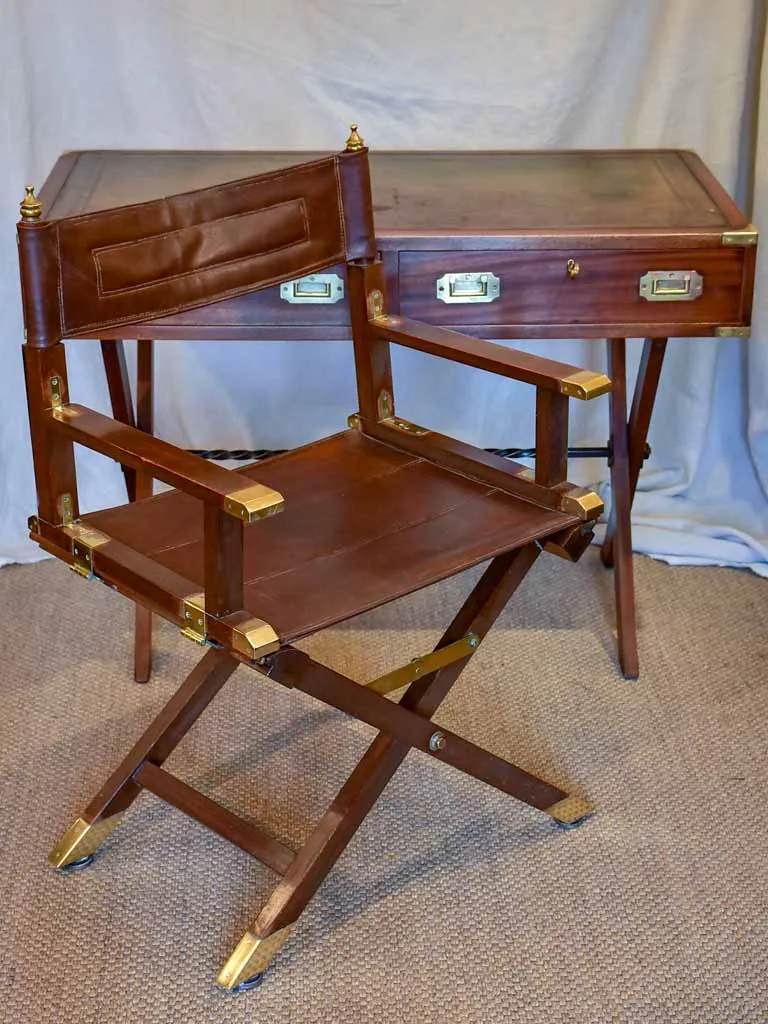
<point x="628" y="439"/>
<point x="167" y="730"/>
<point x="403" y="725"/>
<point x="372" y="774"/>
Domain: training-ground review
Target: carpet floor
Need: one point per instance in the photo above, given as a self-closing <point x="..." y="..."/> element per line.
<point x="453" y="903"/>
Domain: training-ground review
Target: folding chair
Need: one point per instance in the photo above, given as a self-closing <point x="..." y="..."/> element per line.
<point x="370" y="514"/>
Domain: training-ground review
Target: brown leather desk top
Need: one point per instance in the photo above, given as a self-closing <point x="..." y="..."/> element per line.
<point x="474" y="192"/>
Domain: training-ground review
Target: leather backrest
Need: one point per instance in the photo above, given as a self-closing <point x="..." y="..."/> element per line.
<point x="136" y="263"/>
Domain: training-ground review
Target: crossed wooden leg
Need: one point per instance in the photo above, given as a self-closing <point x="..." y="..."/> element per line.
<point x="402" y="726"/>
<point x="628" y="443"/>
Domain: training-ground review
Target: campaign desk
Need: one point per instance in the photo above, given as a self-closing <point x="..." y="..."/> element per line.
<point x="503" y="245"/>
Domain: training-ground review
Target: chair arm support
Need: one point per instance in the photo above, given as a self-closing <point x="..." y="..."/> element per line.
<point x="485" y="355"/>
<point x="234" y="493"/>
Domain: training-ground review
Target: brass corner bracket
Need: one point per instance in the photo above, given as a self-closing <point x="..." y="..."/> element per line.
<point x="254" y="638"/>
<point x="587" y="505"/>
<point x="84" y="541"/>
<point x="740" y="236"/>
<point x="193" y="614"/>
<point x="733" y="332"/>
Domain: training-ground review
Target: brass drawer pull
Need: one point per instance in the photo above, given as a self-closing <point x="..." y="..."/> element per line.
<point x="482" y="286"/>
<point x="671" y="285"/>
<point x="572" y="269"/>
<point x="316" y="288"/>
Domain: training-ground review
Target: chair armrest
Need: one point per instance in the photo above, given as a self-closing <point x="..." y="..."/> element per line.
<point x="485" y="355"/>
<point x="233" y="492"/>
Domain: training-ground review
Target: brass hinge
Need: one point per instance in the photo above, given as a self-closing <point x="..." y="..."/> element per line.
<point x="67" y="509"/>
<point x="84" y="541"/>
<point x="193" y="611"/>
<point x="384" y="405"/>
<point x="375" y="305"/>
<point x="55" y="389"/>
<point x="733" y="332"/>
<point x="740" y="236"/>
<point x="405" y="426"/>
<point x="354" y="423"/>
<point x="426" y="663"/>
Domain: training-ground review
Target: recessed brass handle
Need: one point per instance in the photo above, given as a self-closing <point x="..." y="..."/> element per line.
<point x="572" y="269"/>
<point x="320" y="289"/>
<point x="475" y="287"/>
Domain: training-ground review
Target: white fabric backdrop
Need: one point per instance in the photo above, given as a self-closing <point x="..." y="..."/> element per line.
<point x="191" y="74"/>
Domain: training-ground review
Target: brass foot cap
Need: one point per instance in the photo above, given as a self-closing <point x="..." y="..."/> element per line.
<point x="81" y="840"/>
<point x="250" y="958"/>
<point x="570" y="812"/>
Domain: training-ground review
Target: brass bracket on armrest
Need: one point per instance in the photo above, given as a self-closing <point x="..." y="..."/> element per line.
<point x="252" y="503"/>
<point x="585" y="384"/>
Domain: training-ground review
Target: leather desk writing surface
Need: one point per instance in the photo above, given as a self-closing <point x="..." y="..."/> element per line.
<point x="522" y="216"/>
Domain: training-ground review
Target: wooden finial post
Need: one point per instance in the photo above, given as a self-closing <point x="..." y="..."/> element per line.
<point x="31" y="208"/>
<point x="354" y="142"/>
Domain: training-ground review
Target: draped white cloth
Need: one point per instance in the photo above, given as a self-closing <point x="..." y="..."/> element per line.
<point x="190" y="74"/>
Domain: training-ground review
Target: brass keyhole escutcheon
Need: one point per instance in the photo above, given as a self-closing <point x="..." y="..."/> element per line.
<point x="572" y="269"/>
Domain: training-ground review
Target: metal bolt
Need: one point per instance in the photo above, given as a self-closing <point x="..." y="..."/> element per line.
<point x="474" y="641"/>
<point x="437" y="741"/>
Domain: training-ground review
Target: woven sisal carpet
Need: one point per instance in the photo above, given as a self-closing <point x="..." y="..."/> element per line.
<point x="453" y="903"/>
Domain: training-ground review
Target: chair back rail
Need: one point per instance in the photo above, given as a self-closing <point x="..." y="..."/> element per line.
<point x="136" y="263"/>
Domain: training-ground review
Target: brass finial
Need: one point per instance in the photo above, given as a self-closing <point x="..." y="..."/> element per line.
<point x="31" y="207"/>
<point x="354" y="142"/>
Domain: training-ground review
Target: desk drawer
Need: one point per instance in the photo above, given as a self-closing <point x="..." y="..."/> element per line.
<point x="318" y="301"/>
<point x="572" y="288"/>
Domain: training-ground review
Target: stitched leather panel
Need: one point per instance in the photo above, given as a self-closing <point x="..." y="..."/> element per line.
<point x="139" y="262"/>
<point x="202" y="247"/>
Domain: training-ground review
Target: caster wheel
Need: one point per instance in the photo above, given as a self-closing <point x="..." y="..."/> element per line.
<point x="77" y="865"/>
<point x="250" y="984"/>
<point x="569" y="826"/>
